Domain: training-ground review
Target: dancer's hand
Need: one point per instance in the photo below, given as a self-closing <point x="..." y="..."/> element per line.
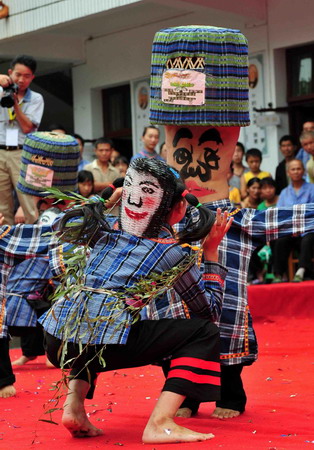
<point x="216" y="234"/>
<point x="115" y="198"/>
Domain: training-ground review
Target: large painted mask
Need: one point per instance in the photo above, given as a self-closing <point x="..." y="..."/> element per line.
<point x="202" y="156"/>
<point x="199" y="91"/>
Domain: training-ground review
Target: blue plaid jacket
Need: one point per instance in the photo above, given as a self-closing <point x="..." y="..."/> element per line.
<point x="118" y="261"/>
<point x="250" y="229"/>
<point x="29" y="258"/>
<point x="28" y="279"/>
<point x="17" y="244"/>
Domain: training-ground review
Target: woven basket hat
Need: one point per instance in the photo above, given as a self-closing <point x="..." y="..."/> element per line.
<point x="199" y="76"/>
<point x="48" y="159"/>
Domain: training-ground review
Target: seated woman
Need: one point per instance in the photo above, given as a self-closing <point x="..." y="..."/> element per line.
<point x="253" y="194"/>
<point x="98" y="328"/>
<point x="85" y="181"/>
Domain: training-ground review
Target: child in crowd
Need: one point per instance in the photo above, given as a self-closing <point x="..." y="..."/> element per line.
<point x="121" y="163"/>
<point x="262" y="267"/>
<point x="234" y="192"/>
<point x="100" y="318"/>
<point x="253" y="192"/>
<point x="238" y="168"/>
<point x="254" y="159"/>
<point x="163" y="151"/>
<point x="86" y="183"/>
<point x="268" y="193"/>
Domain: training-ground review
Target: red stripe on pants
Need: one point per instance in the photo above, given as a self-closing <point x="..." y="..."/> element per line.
<point x="194" y="377"/>
<point x="196" y="362"/>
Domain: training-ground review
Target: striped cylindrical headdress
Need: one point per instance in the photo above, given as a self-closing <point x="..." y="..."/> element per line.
<point x="48" y="159"/>
<point x="199" y="76"/>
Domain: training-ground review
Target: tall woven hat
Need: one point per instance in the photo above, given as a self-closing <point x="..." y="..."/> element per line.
<point x="199" y="76"/>
<point x="48" y="159"/>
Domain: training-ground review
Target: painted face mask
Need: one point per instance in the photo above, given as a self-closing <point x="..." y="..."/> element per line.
<point x="49" y="216"/>
<point x="148" y="190"/>
<point x="202" y="156"/>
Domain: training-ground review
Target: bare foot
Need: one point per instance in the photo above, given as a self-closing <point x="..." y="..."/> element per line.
<point x="7" y="391"/>
<point x="76" y="421"/>
<point x="23" y="360"/>
<point x="168" y="431"/>
<point x="224" y="413"/>
<point x="184" y="412"/>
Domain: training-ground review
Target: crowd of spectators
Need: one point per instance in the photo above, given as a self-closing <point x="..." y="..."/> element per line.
<point x="252" y="187"/>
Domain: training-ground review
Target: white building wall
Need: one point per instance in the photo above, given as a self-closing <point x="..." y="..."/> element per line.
<point x="123" y="57"/>
<point x="29" y="15"/>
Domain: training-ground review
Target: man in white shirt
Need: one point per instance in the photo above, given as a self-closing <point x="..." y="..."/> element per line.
<point x="22" y="117"/>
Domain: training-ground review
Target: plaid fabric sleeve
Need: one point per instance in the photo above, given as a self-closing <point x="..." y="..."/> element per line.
<point x="273" y="223"/>
<point x="203" y="293"/>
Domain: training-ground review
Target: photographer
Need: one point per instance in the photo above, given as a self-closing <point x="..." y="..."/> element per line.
<point x="21" y="111"/>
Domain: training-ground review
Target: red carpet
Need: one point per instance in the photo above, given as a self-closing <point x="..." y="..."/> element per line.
<point x="279" y="386"/>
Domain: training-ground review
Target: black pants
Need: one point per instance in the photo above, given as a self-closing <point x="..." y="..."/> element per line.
<point x="192" y="344"/>
<point x="232" y="392"/>
<point x="7" y="376"/>
<point x="283" y="247"/>
<point x="32" y="339"/>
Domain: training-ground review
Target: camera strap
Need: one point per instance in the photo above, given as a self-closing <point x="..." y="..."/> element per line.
<point x="12" y="114"/>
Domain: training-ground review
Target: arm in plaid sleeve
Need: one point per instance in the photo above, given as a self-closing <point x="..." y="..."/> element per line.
<point x="277" y="222"/>
<point x="20" y="242"/>
<point x="203" y="293"/>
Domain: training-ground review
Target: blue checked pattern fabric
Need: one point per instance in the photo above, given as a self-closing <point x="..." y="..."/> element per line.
<point x="225" y="55"/>
<point x="29" y="277"/>
<point x="251" y="228"/>
<point x="117" y="262"/>
<point x="18" y="243"/>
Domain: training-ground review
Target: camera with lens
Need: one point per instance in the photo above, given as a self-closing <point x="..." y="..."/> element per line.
<point x="7" y="99"/>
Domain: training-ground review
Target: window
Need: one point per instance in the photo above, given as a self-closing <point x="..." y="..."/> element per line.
<point x="300" y="73"/>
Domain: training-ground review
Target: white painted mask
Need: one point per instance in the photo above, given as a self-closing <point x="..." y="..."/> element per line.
<point x="141" y="197"/>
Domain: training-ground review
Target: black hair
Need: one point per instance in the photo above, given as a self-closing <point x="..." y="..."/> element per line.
<point x="253" y="152"/>
<point x="78" y="136"/>
<point x="85" y="175"/>
<point x="267" y="181"/>
<point x="288" y="137"/>
<point x="195" y="231"/>
<point x="161" y="146"/>
<point x="26" y="60"/>
<point x="57" y="126"/>
<point x="43" y="201"/>
<point x="104" y="140"/>
<point x="92" y="218"/>
<point x="119" y="159"/>
<point x="252" y="181"/>
<point x="239" y="144"/>
<point x="150" y="126"/>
